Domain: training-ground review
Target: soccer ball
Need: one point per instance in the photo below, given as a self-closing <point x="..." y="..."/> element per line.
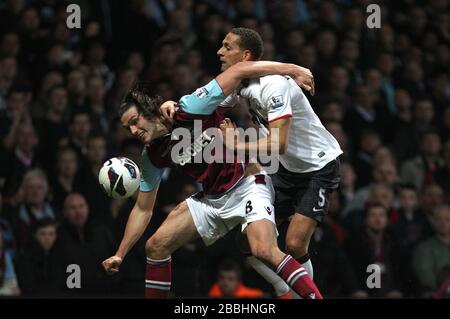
<point x="119" y="177"/>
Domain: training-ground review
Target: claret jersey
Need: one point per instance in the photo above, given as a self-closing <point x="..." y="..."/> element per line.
<point x="215" y="178"/>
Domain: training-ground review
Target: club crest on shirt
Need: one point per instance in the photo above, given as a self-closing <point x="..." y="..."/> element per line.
<point x="201" y="92"/>
<point x="276" y="101"/>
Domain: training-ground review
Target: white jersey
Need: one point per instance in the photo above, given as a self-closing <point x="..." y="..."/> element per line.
<point x="310" y="146"/>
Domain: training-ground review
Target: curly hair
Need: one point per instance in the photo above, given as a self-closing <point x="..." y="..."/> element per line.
<point x="146" y="105"/>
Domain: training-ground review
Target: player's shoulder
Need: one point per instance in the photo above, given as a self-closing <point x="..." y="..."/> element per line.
<point x="271" y="82"/>
<point x="273" y="78"/>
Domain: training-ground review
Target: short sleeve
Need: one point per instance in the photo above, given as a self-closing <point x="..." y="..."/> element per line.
<point x="204" y="100"/>
<point x="276" y="97"/>
<point x="230" y="101"/>
<point x="150" y="175"/>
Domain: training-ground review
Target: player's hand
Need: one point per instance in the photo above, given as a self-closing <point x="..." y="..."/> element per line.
<point x="225" y="126"/>
<point x="168" y="109"/>
<point x="304" y="78"/>
<point x="111" y="265"/>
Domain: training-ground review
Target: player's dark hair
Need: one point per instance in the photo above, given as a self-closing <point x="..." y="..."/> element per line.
<point x="250" y="40"/>
<point x="139" y="97"/>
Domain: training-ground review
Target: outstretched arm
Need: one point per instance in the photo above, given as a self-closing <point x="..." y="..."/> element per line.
<point x="138" y="221"/>
<point x="140" y="215"/>
<point x="230" y="79"/>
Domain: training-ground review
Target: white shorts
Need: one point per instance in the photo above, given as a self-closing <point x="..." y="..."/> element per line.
<point x="250" y="200"/>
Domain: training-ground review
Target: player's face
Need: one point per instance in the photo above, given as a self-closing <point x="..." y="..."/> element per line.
<point x="144" y="129"/>
<point x="230" y="53"/>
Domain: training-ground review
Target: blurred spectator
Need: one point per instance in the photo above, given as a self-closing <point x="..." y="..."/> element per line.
<point x="180" y="27"/>
<point x="444" y="128"/>
<point x="412" y="79"/>
<point x="385" y="173"/>
<point x="380" y="194"/>
<point x="370" y="141"/>
<point x="407" y="137"/>
<point x="136" y="62"/>
<point x="9" y="244"/>
<point x="76" y="89"/>
<point x="363" y="114"/>
<point x="86" y="180"/>
<point x="442" y="176"/>
<point x="443" y="291"/>
<point x="411" y="228"/>
<point x="8" y="73"/>
<point x="41" y="103"/>
<point x="8" y="280"/>
<point x="62" y="182"/>
<point x="420" y="170"/>
<point x="80" y="128"/>
<point x="326" y="250"/>
<point x="95" y="96"/>
<point x="182" y="80"/>
<point x="440" y="91"/>
<point x="229" y="283"/>
<point x="338" y="84"/>
<point x="39" y="270"/>
<point x="85" y="244"/>
<point x="16" y="114"/>
<point x="432" y="255"/>
<point x="412" y="223"/>
<point x="372" y="244"/>
<point x="432" y="196"/>
<point x="10" y="45"/>
<point x="33" y="206"/>
<point x="52" y="126"/>
<point x="22" y="157"/>
<point x="125" y="80"/>
<point x="347" y="187"/>
<point x="95" y="56"/>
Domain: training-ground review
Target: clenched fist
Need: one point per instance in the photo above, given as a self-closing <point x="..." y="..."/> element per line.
<point x="112" y="264"/>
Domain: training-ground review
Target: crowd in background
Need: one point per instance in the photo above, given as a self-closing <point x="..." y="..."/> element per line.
<point x="384" y="93"/>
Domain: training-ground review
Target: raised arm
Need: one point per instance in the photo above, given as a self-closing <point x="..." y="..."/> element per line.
<point x="230" y="79"/>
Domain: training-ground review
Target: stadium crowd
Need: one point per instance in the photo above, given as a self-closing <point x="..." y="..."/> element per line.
<point x="384" y="93"/>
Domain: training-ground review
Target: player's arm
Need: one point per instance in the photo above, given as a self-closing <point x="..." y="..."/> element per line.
<point x="277" y="139"/>
<point x="139" y="218"/>
<point x="140" y="215"/>
<point x="230" y="78"/>
<point x="276" y="98"/>
<point x="206" y="99"/>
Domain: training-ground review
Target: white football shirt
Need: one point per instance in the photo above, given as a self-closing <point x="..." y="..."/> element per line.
<point x="310" y="145"/>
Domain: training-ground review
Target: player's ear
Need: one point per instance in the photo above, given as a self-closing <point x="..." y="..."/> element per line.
<point x="247" y="55"/>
